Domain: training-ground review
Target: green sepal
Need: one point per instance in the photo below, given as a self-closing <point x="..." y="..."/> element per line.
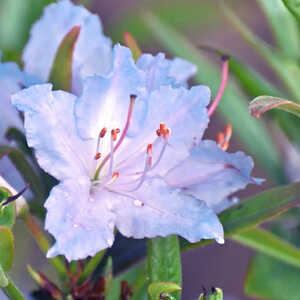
<point x="3" y="279"/>
<point x="7" y="212"/>
<point x="160" y="290"/>
<point x="6" y="248"/>
<point x="61" y="72"/>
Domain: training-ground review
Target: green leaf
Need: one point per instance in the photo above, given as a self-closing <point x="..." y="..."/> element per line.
<point x="233" y="107"/>
<point x="251" y="81"/>
<point x="3" y="278"/>
<point x="281" y="22"/>
<point x="261" y="104"/>
<point x="215" y="294"/>
<point x="285" y="67"/>
<point x="157" y="289"/>
<point x="184" y="14"/>
<point x="108" y="275"/>
<point x="163" y="260"/>
<point x="61" y="72"/>
<point x="133" y="276"/>
<point x="270" y="279"/>
<point x="12" y="291"/>
<point x="6" y="248"/>
<point x="25" y="169"/>
<point x="294" y="7"/>
<point x="91" y="266"/>
<point x="8" y="212"/>
<point x="12" y="35"/>
<point x="255" y="210"/>
<point x="270" y="244"/>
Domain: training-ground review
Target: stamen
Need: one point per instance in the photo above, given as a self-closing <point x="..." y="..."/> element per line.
<point x="101" y="135"/>
<point x="228" y="132"/>
<point x="97" y="156"/>
<point x="149" y="149"/>
<point x="148" y="163"/>
<point x="223" y="139"/>
<point x="112" y="140"/>
<point x="220" y="138"/>
<point x="225" y="69"/>
<point x="129" y="114"/>
<point x="103" y="132"/>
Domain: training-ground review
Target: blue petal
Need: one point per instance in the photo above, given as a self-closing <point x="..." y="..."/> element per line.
<point x="105" y="100"/>
<point x="211" y="174"/>
<point x="182" y="110"/>
<point x="92" y="52"/>
<point x="161" y="71"/>
<point x="158" y="210"/>
<point x="80" y="222"/>
<point x="50" y="130"/>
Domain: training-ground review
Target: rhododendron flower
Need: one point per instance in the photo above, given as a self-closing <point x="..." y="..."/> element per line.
<point x="12" y="79"/>
<point x="129" y="154"/>
<point x="92" y="52"/>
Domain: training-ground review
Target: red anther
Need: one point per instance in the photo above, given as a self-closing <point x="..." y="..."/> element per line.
<point x="150" y="160"/>
<point x="98" y="155"/>
<point x="220" y="137"/>
<point x="228" y="131"/>
<point x="115" y="175"/>
<point x="158" y="132"/>
<point x="102" y="132"/>
<point x="162" y="126"/>
<point x="149" y="149"/>
<point x="225" y="145"/>
<point x="118" y="130"/>
<point x="166" y="133"/>
<point x="114" y="134"/>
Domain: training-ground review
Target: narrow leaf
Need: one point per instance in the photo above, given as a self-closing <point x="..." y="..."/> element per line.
<point x="255" y="210"/>
<point x="233" y="106"/>
<point x="61" y="72"/>
<point x="6" y="248"/>
<point x="91" y="266"/>
<point x="251" y="81"/>
<point x="287" y="69"/>
<point x="281" y="22"/>
<point x="269" y="278"/>
<point x="8" y="212"/>
<point x="3" y="278"/>
<point x="108" y="275"/>
<point x="12" y="291"/>
<point x="157" y="289"/>
<point x="163" y="260"/>
<point x="293" y="7"/>
<point x="261" y="104"/>
<point x="270" y="244"/>
<point x="25" y="169"/>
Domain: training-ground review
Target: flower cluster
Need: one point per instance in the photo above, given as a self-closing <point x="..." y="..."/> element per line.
<point x="126" y="143"/>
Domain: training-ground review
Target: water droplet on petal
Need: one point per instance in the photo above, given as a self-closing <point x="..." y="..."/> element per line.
<point x="138" y="203"/>
<point x="111" y="225"/>
<point x="92" y="199"/>
<point x="110" y="242"/>
<point x="220" y="240"/>
<point x="75" y="225"/>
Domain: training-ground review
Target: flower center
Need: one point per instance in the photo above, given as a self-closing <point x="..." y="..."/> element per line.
<point x="163" y="134"/>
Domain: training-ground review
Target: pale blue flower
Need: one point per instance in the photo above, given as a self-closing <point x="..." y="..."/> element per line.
<point x="12" y="79"/>
<point x="92" y="53"/>
<point x="128" y="154"/>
